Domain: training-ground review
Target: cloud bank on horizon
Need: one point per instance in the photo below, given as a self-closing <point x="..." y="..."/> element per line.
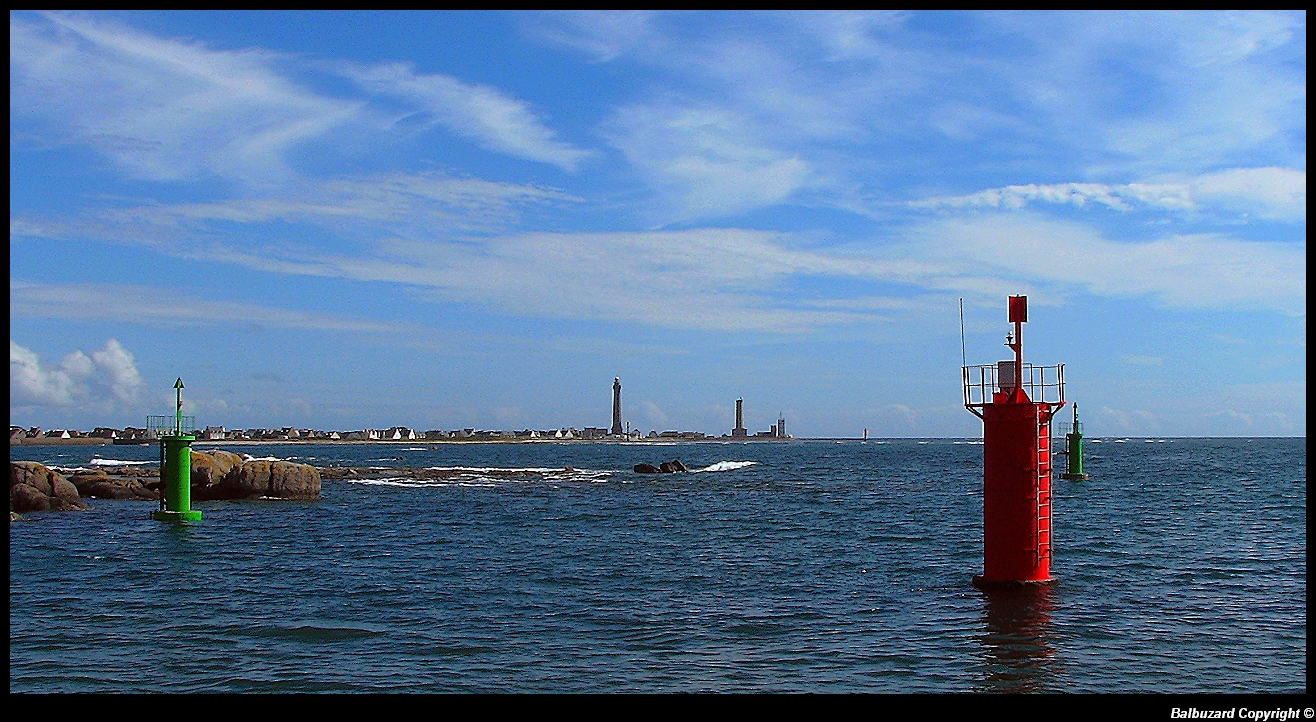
<point x="443" y="220"/>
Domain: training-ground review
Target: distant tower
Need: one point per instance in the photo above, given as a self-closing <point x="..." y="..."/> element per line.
<point x="740" y="419"/>
<point x="781" y="425"/>
<point x="616" y="407"/>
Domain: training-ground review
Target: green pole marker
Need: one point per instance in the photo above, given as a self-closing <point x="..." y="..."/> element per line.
<point x="1074" y="452"/>
<point x="176" y="470"/>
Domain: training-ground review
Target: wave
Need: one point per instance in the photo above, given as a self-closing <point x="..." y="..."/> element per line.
<point x="118" y="462"/>
<point x="504" y="469"/>
<point x="726" y="466"/>
<point x="487" y="476"/>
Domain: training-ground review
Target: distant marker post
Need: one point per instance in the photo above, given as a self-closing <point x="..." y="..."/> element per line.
<point x="1074" y="452"/>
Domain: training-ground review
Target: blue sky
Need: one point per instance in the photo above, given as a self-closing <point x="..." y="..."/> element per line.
<point x="465" y="219"/>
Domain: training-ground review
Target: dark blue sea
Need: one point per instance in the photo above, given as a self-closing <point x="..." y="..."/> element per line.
<point x="797" y="566"/>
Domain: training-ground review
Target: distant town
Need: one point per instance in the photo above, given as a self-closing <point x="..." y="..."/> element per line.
<point x="132" y="435"/>
<point x="618" y="432"/>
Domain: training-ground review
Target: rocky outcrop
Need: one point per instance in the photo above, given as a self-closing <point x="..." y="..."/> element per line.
<point x="99" y="485"/>
<point x="34" y="487"/>
<point x="256" y="479"/>
<point x="210" y="467"/>
<point x="215" y="475"/>
<point x="667" y="467"/>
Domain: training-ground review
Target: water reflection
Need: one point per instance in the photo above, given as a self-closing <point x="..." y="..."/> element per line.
<point x="1017" y="639"/>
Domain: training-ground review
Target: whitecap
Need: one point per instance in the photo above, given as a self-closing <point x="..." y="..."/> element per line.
<point x="513" y="469"/>
<point x="117" y="462"/>
<point x="727" y="466"/>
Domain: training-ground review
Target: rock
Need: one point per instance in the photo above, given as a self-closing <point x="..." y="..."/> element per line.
<point x="99" y="485"/>
<point x="255" y="479"/>
<point x="209" y="467"/>
<point x="34" y="487"/>
<point x="667" y="467"/>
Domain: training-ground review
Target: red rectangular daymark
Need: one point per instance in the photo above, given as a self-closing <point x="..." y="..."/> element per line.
<point x="1019" y="309"/>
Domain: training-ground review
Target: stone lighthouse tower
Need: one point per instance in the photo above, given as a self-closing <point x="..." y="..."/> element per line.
<point x="616" y="407"/>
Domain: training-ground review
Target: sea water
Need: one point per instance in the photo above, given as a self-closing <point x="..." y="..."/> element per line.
<point x="795" y="566"/>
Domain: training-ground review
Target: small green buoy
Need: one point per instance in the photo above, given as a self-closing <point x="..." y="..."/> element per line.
<point x="1074" y="452"/>
<point x="175" y="464"/>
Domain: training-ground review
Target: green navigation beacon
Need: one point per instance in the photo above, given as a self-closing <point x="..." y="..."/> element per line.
<point x="1074" y="452"/>
<point x="176" y="435"/>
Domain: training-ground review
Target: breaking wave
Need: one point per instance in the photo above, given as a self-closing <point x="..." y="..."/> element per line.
<point x="726" y="466"/>
<point x="484" y="476"/>
<point x="117" y="462"/>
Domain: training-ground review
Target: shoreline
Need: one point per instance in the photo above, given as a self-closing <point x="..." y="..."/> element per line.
<point x="41" y="441"/>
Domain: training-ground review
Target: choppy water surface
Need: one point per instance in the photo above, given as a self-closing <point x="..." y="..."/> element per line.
<point x="819" y="567"/>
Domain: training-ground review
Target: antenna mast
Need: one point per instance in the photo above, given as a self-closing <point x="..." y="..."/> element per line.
<point x="964" y="359"/>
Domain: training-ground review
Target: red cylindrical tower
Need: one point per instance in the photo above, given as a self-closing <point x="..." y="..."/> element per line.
<point x="1015" y="402"/>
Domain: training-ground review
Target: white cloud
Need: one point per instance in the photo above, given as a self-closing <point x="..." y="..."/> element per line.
<point x="1119" y="197"/>
<point x="849" y="35"/>
<point x="1187" y="271"/>
<point x="109" y="374"/>
<point x="164" y="109"/>
<point x="30" y="382"/>
<point x="489" y="116"/>
<point x="603" y="34"/>
<point x="414" y="205"/>
<point x="707" y="161"/>
<point x="168" y="109"/>
<point x="120" y="371"/>
<point x="392" y="203"/>
<point x="1270" y="193"/>
<point x="141" y="305"/>
<point x="653" y="414"/>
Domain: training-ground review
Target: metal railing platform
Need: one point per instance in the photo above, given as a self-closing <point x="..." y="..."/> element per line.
<point x="1043" y="384"/>
<point x="157" y="426"/>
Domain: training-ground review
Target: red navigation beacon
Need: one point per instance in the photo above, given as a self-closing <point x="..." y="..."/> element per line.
<point x="1015" y="402"/>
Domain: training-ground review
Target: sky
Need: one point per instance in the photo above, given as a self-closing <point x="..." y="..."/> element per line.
<point x="446" y="220"/>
